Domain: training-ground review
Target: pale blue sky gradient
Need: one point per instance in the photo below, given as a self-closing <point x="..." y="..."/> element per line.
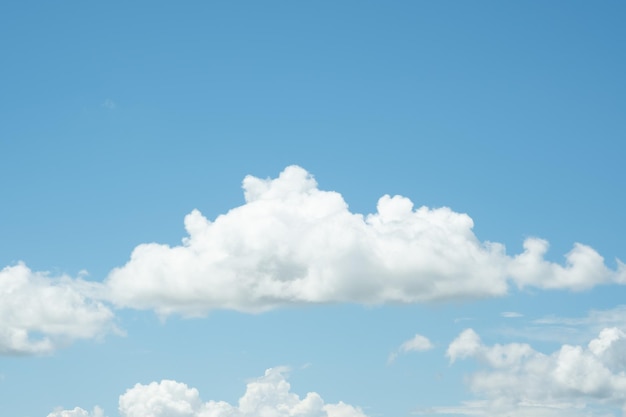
<point x="117" y="119"/>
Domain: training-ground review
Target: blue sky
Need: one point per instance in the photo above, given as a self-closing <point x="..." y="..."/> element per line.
<point x="240" y="153"/>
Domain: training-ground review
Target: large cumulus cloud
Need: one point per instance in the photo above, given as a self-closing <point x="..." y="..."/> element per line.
<point x="39" y="313"/>
<point x="292" y="243"/>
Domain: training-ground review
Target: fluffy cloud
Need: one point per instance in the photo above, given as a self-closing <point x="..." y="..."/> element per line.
<point x="292" y="243"/>
<point x="520" y="381"/>
<point x="418" y="343"/>
<point x="39" y="313"/>
<point x="267" y="396"/>
<point x="584" y="268"/>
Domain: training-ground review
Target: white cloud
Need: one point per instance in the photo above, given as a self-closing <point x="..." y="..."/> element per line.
<point x="465" y="345"/>
<point x="162" y="399"/>
<point x="519" y="381"/>
<point x="292" y="243"/>
<point x="77" y="412"/>
<point x="39" y="313"/>
<point x="267" y="396"/>
<point x="511" y="314"/>
<point x="417" y="343"/>
<point x="584" y="268"/>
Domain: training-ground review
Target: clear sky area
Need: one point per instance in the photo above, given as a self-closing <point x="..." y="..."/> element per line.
<point x="312" y="209"/>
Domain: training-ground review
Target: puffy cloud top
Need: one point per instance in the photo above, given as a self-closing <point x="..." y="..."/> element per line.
<point x="520" y="381"/>
<point x="292" y="243"/>
<point x="267" y="396"/>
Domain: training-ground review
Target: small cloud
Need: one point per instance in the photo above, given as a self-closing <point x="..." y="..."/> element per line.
<point x="418" y="343"/>
<point x="462" y="319"/>
<point x="511" y="314"/>
<point x="109" y="104"/>
<point x="77" y="412"/>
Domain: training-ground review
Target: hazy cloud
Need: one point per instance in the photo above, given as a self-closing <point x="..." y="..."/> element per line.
<point x="594" y="318"/>
<point x="418" y="343"/>
<point x="511" y="314"/>
<point x="570" y="329"/>
<point x="109" y="104"/>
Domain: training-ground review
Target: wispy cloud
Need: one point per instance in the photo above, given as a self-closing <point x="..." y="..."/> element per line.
<point x="595" y="318"/>
<point x="109" y="104"/>
<point x="511" y="314"/>
<point x="417" y="343"/>
<point x="569" y="329"/>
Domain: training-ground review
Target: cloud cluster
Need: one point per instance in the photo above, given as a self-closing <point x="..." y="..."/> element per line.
<point x="292" y="243"/>
<point x="267" y="396"/>
<point x="39" y="313"/>
<point x="520" y="381"/>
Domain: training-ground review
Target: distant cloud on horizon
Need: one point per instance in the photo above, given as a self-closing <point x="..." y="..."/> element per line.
<point x="516" y="380"/>
<point x="269" y="395"/>
<point x="562" y="329"/>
